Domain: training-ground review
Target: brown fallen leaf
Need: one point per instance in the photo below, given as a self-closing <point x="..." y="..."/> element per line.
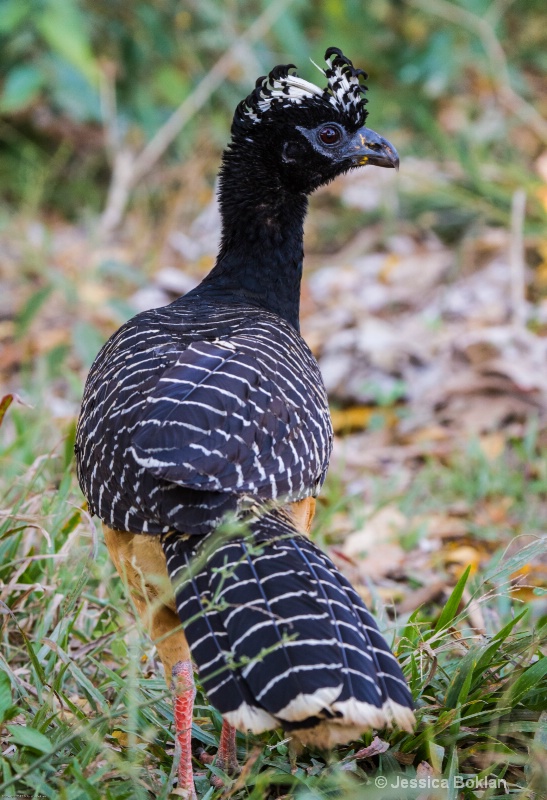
<point x="357" y="418"/>
<point x="384" y="559"/>
<point x="12" y="354"/>
<point x="389" y="595"/>
<point x="46" y="340"/>
<point x="7" y="400"/>
<point x="419" y="597"/>
<point x="462" y="556"/>
<point x="5" y="403"/>
<point x="444" y="526"/>
<point x="383" y="525"/>
<point x="528" y="580"/>
<point x="492" y="445"/>
<point x="429" y="433"/>
<point x="474" y="613"/>
<point x="495" y="512"/>
<point x="404" y="758"/>
<point x="376" y="747"/>
<point x="425" y="771"/>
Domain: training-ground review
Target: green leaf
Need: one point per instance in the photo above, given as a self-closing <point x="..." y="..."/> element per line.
<point x="290" y="34"/>
<point x="85" y="683"/>
<point x="87" y="342"/>
<point x="63" y="27"/>
<point x="13" y="13"/>
<point x="170" y="84"/>
<point x="460" y="683"/>
<point x="29" y="737"/>
<point x="5" y="694"/>
<point x="540" y="737"/>
<point x="487" y="656"/>
<point x="450" y="610"/>
<point x="451" y="770"/>
<point x="528" y="680"/>
<point x="73" y="92"/>
<point x="436" y="756"/>
<point x="20" y="87"/>
<point x="119" y="649"/>
<point x="502" y="572"/>
<point x="68" y="447"/>
<point x="502" y="634"/>
<point x="31" y="308"/>
<point x="91" y="791"/>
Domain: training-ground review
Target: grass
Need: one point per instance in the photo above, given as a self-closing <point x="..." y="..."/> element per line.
<point x="84" y="707"/>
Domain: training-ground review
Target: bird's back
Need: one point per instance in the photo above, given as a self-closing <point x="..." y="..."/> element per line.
<point x="192" y="407"/>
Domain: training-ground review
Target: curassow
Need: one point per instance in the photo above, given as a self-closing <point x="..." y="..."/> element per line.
<point x="214" y="406"/>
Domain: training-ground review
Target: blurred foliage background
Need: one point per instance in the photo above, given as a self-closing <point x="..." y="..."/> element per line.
<point x="441" y="74"/>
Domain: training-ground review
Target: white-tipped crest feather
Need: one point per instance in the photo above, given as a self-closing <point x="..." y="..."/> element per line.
<point x="283" y="89"/>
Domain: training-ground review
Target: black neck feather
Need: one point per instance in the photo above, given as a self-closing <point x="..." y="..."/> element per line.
<point x="261" y="254"/>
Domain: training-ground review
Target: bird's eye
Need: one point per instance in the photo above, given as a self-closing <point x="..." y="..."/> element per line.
<point x="330" y="135"/>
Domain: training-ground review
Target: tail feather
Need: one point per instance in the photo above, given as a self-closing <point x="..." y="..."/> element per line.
<point x="281" y="639"/>
<point x="210" y="645"/>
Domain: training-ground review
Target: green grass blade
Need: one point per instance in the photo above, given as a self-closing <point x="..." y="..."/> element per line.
<point x="29" y="737"/>
<point x="529" y="680"/>
<point x="450" y="610"/>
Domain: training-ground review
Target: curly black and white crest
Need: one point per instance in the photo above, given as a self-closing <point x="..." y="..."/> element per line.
<point x="282" y="89"/>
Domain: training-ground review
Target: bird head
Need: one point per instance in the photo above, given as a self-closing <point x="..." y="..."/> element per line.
<point x="306" y="135"/>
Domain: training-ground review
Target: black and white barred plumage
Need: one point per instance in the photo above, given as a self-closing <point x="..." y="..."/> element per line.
<point x="191" y="408"/>
<point x="214" y="405"/>
<point x="281" y="637"/>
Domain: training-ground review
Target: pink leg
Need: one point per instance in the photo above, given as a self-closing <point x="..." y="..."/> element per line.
<point x="226" y="757"/>
<point x="183" y="702"/>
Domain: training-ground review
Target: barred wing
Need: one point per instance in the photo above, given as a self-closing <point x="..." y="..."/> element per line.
<point x="227" y="417"/>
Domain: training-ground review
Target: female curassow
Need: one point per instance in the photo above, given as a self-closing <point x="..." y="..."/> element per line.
<point x="214" y="406"/>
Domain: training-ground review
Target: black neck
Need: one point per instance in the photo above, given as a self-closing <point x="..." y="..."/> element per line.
<point x="261" y="254"/>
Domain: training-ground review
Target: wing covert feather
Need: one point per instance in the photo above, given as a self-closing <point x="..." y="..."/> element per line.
<point x="218" y="419"/>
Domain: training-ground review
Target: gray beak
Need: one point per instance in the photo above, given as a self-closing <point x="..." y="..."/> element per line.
<point x="368" y="147"/>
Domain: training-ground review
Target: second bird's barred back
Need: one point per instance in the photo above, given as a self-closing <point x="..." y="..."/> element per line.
<point x="190" y="408"/>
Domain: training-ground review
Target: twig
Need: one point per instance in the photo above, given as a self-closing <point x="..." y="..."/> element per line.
<point x="516" y="260"/>
<point x="107" y="88"/>
<point x="118" y="192"/>
<point x="129" y="169"/>
<point x="507" y="96"/>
